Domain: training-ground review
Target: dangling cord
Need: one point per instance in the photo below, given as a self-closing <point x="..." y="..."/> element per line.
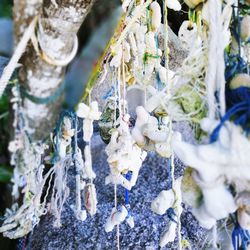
<point x="120" y="114"/>
<point x="238" y="27"/>
<point x="215" y="236"/>
<point x="123" y="79"/>
<point x="172" y="166"/>
<point x="220" y="77"/>
<point x="212" y="64"/>
<point x="239" y="107"/>
<point x="127" y="192"/>
<point x="166" y="49"/>
<point x="77" y="177"/>
<point x="114" y="82"/>
<point x="117" y="227"/>
<point x="119" y="90"/>
<point x="89" y="143"/>
<point x="124" y="111"/>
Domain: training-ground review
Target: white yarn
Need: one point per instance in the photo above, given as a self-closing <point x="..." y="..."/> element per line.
<point x="117" y="227"/>
<point x="215" y="236"/>
<point x="215" y="78"/>
<point x="78" y="194"/>
<point x="117" y="74"/>
<point x="220" y="79"/>
<point x="212" y="57"/>
<point x="20" y="49"/>
<point x="166" y="49"/>
<point x="123" y="80"/>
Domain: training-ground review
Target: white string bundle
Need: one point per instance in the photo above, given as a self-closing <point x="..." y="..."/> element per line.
<point x="212" y="57"/>
<point x="60" y="190"/>
<point x="215" y="78"/>
<point x="168" y="87"/>
<point x="20" y="49"/>
<point x="220" y="77"/>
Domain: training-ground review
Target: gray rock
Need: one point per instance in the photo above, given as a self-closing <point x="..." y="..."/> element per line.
<point x="148" y="228"/>
<point x="153" y="178"/>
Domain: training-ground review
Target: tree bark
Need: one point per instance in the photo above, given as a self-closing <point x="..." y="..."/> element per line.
<point x="58" y="24"/>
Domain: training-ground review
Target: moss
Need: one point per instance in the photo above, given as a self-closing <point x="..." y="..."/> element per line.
<point x="5" y="169"/>
<point x="191" y="102"/>
<point x="5" y="174"/>
<point x="4" y="124"/>
<point x="6" y="8"/>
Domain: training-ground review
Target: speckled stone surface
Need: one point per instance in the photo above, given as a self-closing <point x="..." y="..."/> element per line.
<point x="148" y="228"/>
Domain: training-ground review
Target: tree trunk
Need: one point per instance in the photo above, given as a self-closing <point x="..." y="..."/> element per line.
<point x="58" y="24"/>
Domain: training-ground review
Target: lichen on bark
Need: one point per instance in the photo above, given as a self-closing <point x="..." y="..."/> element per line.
<point x="58" y="24"/>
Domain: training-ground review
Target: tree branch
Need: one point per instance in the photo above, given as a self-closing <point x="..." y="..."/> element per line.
<point x="58" y="24"/>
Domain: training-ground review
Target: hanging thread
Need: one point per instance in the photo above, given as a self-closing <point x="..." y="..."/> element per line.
<point x="20" y="49"/>
<point x="240" y="238"/>
<point x="171" y="160"/>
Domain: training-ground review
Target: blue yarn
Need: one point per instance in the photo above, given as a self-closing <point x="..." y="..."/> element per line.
<point x="215" y="134"/>
<point x="238" y="109"/>
<point x="128" y="177"/>
<point x="171" y="214"/>
<point x="234" y="64"/>
<point x="159" y="84"/>
<point x="240" y="238"/>
<point x="109" y="93"/>
<point x="237" y="100"/>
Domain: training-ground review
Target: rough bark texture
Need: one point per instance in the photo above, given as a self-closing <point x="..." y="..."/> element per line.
<point x="59" y="22"/>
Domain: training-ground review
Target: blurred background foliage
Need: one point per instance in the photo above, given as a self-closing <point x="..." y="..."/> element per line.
<point x="5" y="168"/>
<point x="5" y="8"/>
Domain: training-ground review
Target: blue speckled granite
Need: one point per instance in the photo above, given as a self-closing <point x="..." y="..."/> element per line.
<point x="148" y="228"/>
